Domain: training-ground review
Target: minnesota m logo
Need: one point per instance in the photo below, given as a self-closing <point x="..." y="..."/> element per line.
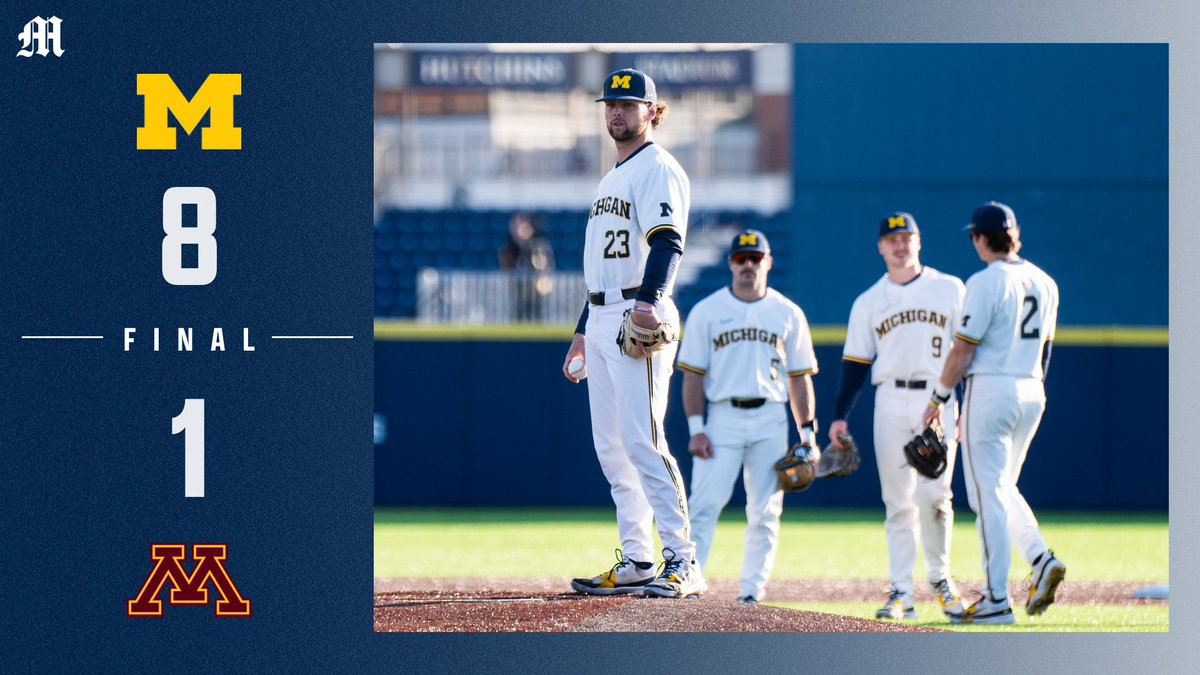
<point x="188" y="589"/>
<point x="621" y="81"/>
<point x="214" y="97"/>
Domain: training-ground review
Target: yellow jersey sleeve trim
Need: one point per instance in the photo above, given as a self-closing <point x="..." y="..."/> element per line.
<point x="855" y="359"/>
<point x="801" y="373"/>
<point x="656" y="228"/>
<point x="690" y="369"/>
<point x="965" y="338"/>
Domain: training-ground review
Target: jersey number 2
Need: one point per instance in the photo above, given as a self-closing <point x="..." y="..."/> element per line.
<point x="613" y="235"/>
<point x="1028" y="333"/>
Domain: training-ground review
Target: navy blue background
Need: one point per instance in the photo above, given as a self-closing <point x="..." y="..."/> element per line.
<point x="90" y="475"/>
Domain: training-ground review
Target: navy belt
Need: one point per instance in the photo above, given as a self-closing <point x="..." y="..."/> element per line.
<point x="597" y="297"/>
<point x="910" y="384"/>
<point x="747" y="403"/>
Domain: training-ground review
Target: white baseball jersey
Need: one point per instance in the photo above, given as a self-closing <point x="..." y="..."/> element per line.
<point x="640" y="196"/>
<point x="904" y="331"/>
<point x="1010" y="310"/>
<point x="725" y="339"/>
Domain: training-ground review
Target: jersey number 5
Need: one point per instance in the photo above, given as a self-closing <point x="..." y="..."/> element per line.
<point x="613" y="235"/>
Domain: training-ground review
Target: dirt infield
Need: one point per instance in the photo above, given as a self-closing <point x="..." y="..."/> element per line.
<point x="541" y="605"/>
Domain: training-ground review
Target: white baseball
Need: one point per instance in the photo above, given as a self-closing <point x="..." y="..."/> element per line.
<point x="577" y="369"/>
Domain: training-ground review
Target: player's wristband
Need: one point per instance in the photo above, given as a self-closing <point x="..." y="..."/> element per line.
<point x="940" y="395"/>
<point x="808" y="433"/>
<point x="644" y="310"/>
<point x="695" y="424"/>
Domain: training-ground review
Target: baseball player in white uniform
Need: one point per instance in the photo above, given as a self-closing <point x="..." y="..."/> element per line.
<point x="746" y="352"/>
<point x="1003" y="346"/>
<point x="900" y="331"/>
<point x="634" y="240"/>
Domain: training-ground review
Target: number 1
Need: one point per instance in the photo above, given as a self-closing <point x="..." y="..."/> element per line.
<point x="191" y="422"/>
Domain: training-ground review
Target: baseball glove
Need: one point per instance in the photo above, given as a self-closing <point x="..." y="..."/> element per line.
<point x="798" y="468"/>
<point x="927" y="452"/>
<point x="651" y="340"/>
<point x="838" y="462"/>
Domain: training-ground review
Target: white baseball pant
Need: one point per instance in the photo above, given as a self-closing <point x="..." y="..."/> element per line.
<point x="914" y="505"/>
<point x="628" y="400"/>
<point x="746" y="442"/>
<point x="1000" y="417"/>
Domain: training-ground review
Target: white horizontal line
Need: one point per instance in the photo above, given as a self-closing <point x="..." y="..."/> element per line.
<point x="62" y="337"/>
<point x="312" y="337"/>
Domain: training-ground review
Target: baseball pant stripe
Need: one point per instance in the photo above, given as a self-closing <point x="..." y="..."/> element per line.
<point x="987" y="582"/>
<point x="650" y="389"/>
<point x="679" y="497"/>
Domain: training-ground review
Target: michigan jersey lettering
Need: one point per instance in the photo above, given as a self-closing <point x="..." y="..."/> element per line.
<point x="214" y="97"/>
<point x="747" y="334"/>
<point x="619" y="207"/>
<point x="910" y="316"/>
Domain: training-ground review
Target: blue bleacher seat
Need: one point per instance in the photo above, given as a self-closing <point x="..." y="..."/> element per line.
<point x="408" y="240"/>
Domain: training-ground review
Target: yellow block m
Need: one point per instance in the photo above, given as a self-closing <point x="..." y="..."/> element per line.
<point x="214" y="97"/>
<point x="620" y="81"/>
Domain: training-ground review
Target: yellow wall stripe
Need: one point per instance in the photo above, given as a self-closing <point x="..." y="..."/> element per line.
<point x="823" y="336"/>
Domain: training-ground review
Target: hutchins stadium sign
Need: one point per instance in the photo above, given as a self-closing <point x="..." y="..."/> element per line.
<point x="713" y="70"/>
<point x="486" y="69"/>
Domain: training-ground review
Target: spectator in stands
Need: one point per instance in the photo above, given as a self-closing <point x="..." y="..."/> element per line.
<point x="530" y="259"/>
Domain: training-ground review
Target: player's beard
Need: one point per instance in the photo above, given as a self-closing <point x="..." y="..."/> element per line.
<point x="626" y="134"/>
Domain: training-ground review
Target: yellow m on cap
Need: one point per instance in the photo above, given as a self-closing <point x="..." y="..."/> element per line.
<point x="621" y="81"/>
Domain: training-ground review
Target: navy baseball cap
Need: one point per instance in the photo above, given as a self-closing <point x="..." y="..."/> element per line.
<point x="992" y="217"/>
<point x="628" y="84"/>
<point x="900" y="221"/>
<point x="750" y="241"/>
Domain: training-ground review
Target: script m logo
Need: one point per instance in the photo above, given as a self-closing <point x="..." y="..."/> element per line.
<point x="214" y="97"/>
<point x="41" y="36"/>
<point x="188" y="589"/>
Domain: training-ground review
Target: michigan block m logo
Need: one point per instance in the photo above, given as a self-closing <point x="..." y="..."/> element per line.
<point x="188" y="589"/>
<point x="214" y="97"/>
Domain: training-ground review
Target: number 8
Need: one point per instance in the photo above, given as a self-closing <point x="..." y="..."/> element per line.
<point x="200" y="236"/>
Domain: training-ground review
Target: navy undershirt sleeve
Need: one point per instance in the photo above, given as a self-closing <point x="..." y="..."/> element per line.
<point x="849" y="387"/>
<point x="666" y="248"/>
<point x="1046" y="348"/>
<point x="581" y="327"/>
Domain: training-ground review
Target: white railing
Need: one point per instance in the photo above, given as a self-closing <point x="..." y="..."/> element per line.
<point x="476" y="297"/>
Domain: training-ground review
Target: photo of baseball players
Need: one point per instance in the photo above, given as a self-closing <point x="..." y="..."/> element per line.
<point x="595" y="256"/>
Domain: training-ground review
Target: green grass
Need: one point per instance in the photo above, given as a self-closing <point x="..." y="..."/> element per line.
<point x="1062" y="618"/>
<point x="814" y="544"/>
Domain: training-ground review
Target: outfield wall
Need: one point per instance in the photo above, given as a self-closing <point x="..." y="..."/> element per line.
<point x="1072" y="136"/>
<point x="486" y="419"/>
